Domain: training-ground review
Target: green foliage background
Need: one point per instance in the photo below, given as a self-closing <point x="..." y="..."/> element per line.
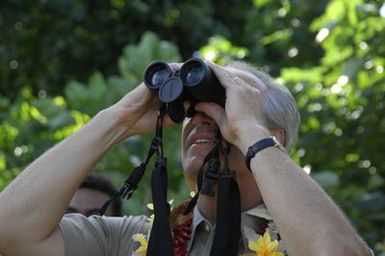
<point x="63" y="61"/>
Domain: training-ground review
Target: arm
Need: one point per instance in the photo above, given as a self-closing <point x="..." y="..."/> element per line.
<point x="309" y="221"/>
<point x="33" y="204"/>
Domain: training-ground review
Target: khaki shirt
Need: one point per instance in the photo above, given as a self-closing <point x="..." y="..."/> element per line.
<point x="101" y="236"/>
<point x="113" y="236"/>
<point x="203" y="231"/>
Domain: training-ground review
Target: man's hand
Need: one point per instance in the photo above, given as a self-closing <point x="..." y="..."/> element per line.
<point x="242" y="111"/>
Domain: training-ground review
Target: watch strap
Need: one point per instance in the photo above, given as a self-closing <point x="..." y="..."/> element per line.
<point x="260" y="145"/>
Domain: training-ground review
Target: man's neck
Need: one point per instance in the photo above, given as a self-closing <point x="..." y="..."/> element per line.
<point x="249" y="198"/>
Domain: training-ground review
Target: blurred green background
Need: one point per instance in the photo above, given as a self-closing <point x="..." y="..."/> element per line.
<point x="63" y="61"/>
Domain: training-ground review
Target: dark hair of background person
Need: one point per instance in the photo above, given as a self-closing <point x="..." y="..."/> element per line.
<point x="101" y="183"/>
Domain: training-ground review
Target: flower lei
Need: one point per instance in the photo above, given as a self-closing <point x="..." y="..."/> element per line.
<point x="181" y="227"/>
<point x="142" y="239"/>
<point x="264" y="246"/>
<point x="266" y="242"/>
<point x="182" y="234"/>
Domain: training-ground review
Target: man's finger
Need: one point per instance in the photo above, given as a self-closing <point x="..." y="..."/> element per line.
<point x="213" y="110"/>
<point x="225" y="77"/>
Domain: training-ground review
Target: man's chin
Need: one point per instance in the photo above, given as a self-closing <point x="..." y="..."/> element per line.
<point x="192" y="166"/>
<point x="194" y="159"/>
<point x="200" y="150"/>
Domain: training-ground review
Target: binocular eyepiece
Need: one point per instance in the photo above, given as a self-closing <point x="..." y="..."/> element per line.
<point x="194" y="82"/>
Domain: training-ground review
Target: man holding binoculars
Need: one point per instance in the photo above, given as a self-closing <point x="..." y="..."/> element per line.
<point x="247" y="109"/>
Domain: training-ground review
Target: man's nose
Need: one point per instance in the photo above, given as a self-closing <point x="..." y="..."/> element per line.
<point x="201" y="118"/>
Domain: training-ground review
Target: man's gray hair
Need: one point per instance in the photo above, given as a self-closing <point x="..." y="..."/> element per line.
<point x="278" y="106"/>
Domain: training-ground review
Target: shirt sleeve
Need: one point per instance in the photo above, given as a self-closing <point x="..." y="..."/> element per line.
<point x="101" y="236"/>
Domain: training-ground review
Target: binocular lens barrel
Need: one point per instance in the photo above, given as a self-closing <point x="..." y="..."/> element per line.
<point x="192" y="72"/>
<point x="158" y="77"/>
<point x="201" y="83"/>
<point x="194" y="75"/>
<point x="156" y="74"/>
<point x="194" y="81"/>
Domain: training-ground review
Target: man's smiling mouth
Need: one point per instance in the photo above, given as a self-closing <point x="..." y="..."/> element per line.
<point x="203" y="141"/>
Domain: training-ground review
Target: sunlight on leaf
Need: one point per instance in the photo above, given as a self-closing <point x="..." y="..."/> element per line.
<point x="3" y="164"/>
<point x="221" y="50"/>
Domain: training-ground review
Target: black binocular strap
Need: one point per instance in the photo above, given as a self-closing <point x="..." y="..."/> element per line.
<point x="228" y="219"/>
<point x="160" y="242"/>
<point x="228" y="225"/>
<point x="213" y="155"/>
<point x="131" y="183"/>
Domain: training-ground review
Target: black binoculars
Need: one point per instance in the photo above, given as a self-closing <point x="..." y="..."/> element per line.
<point x="194" y="82"/>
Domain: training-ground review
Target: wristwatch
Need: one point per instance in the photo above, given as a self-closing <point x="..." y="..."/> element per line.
<point x="260" y="145"/>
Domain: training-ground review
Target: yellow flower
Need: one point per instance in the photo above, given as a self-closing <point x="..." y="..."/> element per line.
<point x="264" y="246"/>
<point x="150" y="206"/>
<point x="142" y="239"/>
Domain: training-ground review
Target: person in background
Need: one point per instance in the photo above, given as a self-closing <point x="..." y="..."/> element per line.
<point x="95" y="190"/>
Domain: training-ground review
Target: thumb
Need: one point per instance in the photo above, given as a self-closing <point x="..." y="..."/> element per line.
<point x="214" y="111"/>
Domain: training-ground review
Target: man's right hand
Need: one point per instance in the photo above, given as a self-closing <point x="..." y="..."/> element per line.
<point x="136" y="113"/>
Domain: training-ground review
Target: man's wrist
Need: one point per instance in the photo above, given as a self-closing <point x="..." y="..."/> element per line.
<point x="111" y="131"/>
<point x="252" y="134"/>
<point x="260" y="145"/>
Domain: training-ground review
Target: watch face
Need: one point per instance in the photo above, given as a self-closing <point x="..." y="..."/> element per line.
<point x="278" y="144"/>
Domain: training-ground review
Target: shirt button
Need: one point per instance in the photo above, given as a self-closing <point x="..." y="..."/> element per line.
<point x="207" y="227"/>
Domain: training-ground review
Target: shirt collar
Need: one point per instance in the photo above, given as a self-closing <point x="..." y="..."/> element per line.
<point x="251" y="220"/>
<point x="198" y="219"/>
